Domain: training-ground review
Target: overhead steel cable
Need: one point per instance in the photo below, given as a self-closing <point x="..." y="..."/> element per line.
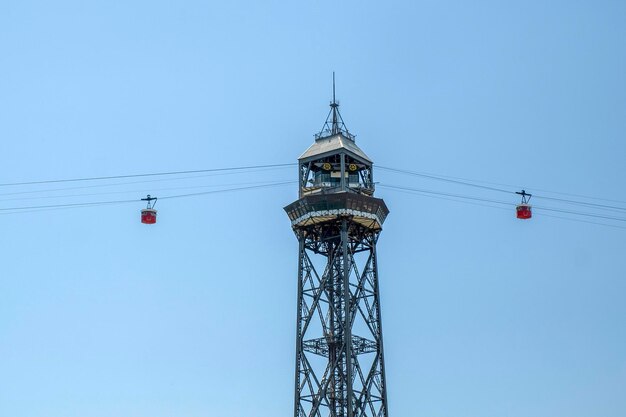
<point x="508" y="209"/>
<point x="96" y="203"/>
<point x="48" y="197"/>
<point x="152" y="174"/>
<point x="563" y="200"/>
<point x="440" y="178"/>
<point x="580" y="214"/>
<point x="583" y="221"/>
<point x="431" y="192"/>
<point x="54" y="206"/>
<point x="473" y="183"/>
<point x="578" y="195"/>
<point x="430" y="195"/>
<point x="394" y="187"/>
<point x="251" y="187"/>
<point x="123" y="183"/>
<point x="455" y="199"/>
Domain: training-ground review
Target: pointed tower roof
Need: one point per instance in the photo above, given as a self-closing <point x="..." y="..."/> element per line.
<point x="330" y="145"/>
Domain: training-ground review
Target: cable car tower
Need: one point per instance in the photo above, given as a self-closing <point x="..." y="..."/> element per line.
<point x="340" y="367"/>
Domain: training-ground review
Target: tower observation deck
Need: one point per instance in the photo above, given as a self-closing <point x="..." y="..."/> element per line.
<point x="337" y="220"/>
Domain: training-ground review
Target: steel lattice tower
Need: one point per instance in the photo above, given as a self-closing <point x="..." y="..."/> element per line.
<point x="340" y="368"/>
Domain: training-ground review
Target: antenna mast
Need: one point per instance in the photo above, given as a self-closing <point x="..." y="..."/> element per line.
<point x="334" y="122"/>
<point x="335" y="110"/>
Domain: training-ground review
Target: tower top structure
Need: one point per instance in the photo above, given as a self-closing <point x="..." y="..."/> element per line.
<point x="335" y="171"/>
<point x="334" y="163"/>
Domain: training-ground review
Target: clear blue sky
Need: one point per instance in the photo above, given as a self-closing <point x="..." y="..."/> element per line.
<point x="484" y="315"/>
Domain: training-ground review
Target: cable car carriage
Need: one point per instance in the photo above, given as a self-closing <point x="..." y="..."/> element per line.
<point x="524" y="210"/>
<point x="149" y="214"/>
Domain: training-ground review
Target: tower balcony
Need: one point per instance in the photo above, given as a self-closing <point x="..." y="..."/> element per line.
<point x="309" y="210"/>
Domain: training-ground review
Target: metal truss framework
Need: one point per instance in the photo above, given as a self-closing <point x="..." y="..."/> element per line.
<point x="339" y="347"/>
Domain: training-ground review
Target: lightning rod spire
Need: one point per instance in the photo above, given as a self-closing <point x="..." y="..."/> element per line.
<point x="334" y="122"/>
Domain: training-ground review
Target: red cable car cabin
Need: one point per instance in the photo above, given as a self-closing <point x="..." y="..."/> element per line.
<point x="148" y="216"/>
<point x="524" y="211"/>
